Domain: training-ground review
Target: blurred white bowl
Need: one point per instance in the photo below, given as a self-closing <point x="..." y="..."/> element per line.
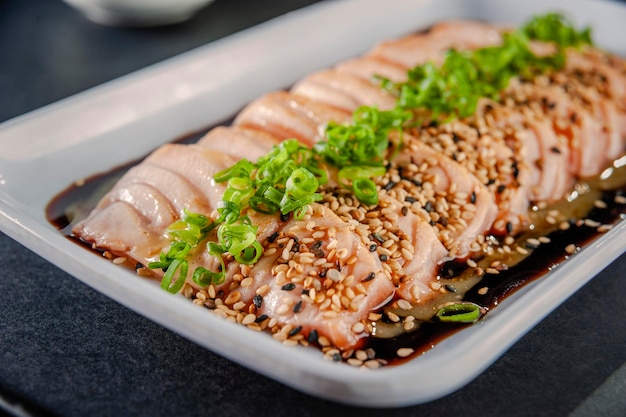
<point x="138" y="12"/>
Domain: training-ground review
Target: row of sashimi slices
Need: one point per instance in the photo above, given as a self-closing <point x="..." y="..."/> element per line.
<point x="449" y="185"/>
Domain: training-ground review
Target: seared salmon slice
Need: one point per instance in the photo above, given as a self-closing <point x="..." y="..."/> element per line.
<point x="368" y="67"/>
<point x="421" y="253"/>
<point x="535" y="142"/>
<point x="418" y="49"/>
<point x="484" y="152"/>
<point x="323" y="278"/>
<point x="239" y="142"/>
<point x="452" y="199"/>
<point x="132" y="218"/>
<point x="343" y="91"/>
<point x="286" y="115"/>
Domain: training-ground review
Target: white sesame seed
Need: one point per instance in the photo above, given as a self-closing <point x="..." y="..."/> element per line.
<point x="404" y="352"/>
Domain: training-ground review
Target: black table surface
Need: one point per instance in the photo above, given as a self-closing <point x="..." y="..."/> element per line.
<point x="67" y="350"/>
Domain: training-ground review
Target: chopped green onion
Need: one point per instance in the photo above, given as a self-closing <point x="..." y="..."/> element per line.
<point x="454" y="88"/>
<point x="301" y="184"/>
<point x="553" y="27"/>
<point x="463" y="312"/>
<point x="178" y="265"/>
<point x="365" y="190"/>
<point x="204" y="277"/>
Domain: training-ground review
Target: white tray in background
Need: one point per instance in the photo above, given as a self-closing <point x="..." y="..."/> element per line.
<point x="125" y="119"/>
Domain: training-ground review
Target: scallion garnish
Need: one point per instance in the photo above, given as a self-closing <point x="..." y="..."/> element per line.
<point x="462" y="312"/>
<point x="454" y="88"/>
<point x="553" y="27"/>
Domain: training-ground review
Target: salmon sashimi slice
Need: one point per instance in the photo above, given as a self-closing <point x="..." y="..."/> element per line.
<point x="147" y="200"/>
<point x="615" y="126"/>
<point x="178" y="191"/>
<point x="182" y="174"/>
<point x="484" y="152"/>
<point x="286" y="115"/>
<point x="368" y="67"/>
<point x="239" y="142"/>
<point x="543" y="152"/>
<point x="452" y="199"/>
<point x="343" y="91"/>
<point x="421" y="256"/>
<point x="324" y="279"/>
<point x="612" y="80"/>
<point x="420" y="48"/>
<point x="575" y="114"/>
<point x="197" y="165"/>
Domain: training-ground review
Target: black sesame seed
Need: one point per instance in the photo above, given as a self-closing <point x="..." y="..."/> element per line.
<point x="515" y="169"/>
<point x="336" y="357"/>
<point x="501" y="188"/>
<point x="373" y="247"/>
<point x="257" y="300"/>
<point x="450" y="288"/>
<point x="378" y="237"/>
<point x="456" y="138"/>
<point x="284" y="217"/>
<point x="554" y="149"/>
<point x="298" y="307"/>
<point x="428" y="206"/>
<point x="433" y="123"/>
<point x="288" y="287"/>
<point x="443" y="221"/>
<point x="273" y="237"/>
<point x="313" y="335"/>
<point x="369" y="277"/>
<point x="316" y="249"/>
<point x="509" y="227"/>
<point x="383" y="257"/>
<point x="491" y="181"/>
<point x="389" y="185"/>
<point x="295" y="331"/>
<point x="410" y="200"/>
<point x="473" y="197"/>
<point x="404" y="210"/>
<point x="322" y="273"/>
<point x="416" y="182"/>
<point x="138" y="265"/>
<point x="306" y="291"/>
<point x="261" y="318"/>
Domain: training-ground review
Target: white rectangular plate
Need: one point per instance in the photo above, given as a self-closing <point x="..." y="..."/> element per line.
<point x="41" y="153"/>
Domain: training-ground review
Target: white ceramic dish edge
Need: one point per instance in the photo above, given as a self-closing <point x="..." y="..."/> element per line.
<point x="152" y="106"/>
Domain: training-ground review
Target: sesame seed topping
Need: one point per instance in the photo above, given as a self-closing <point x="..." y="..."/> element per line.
<point x="404" y="352"/>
